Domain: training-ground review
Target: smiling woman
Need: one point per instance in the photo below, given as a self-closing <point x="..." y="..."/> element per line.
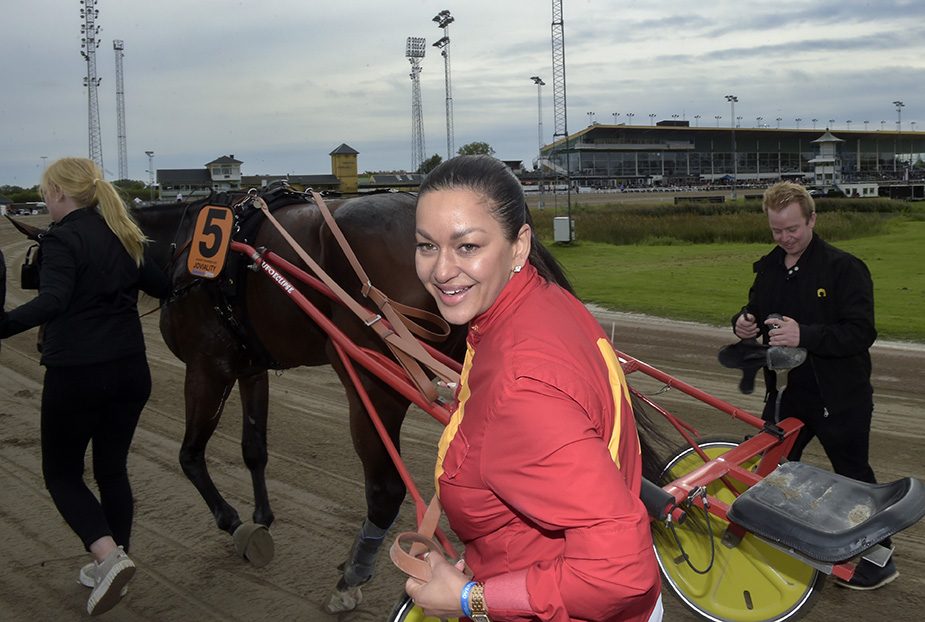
<point x="542" y="406"/>
<point x="463" y="256"/>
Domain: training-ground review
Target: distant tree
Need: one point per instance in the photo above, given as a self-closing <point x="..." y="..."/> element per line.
<point x="17" y="194"/>
<point x="476" y="148"/>
<point x="129" y="188"/>
<point x="132" y="189"/>
<point x="429" y="164"/>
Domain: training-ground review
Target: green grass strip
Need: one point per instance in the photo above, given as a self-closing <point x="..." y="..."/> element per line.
<point x="709" y="282"/>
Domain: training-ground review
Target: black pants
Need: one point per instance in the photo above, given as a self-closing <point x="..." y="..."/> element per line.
<point x="844" y="434"/>
<point x="99" y="403"/>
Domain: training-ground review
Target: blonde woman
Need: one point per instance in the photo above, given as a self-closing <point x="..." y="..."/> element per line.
<point x="97" y="378"/>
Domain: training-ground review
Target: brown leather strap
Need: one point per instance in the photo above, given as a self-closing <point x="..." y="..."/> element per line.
<point x="410" y="564"/>
<point x="375" y="294"/>
<point x="400" y="323"/>
<point x="408" y="351"/>
<point x="421" y="542"/>
<point x="406" y="312"/>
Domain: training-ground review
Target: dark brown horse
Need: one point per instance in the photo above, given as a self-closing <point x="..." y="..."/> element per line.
<point x="233" y="329"/>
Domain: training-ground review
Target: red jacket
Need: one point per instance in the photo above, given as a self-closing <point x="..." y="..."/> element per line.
<point x="525" y="469"/>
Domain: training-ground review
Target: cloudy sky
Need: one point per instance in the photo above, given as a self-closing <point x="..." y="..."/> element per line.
<point x="281" y="83"/>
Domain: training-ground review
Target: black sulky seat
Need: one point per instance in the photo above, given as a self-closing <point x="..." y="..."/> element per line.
<point x="824" y="516"/>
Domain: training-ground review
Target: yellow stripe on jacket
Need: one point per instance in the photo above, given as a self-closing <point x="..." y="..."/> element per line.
<point x="621" y="395"/>
<point x="449" y="432"/>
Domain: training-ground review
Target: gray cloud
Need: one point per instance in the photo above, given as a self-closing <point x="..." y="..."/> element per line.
<point x="283" y="83"/>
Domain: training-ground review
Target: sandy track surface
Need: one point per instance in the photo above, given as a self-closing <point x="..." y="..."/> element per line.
<point x="187" y="567"/>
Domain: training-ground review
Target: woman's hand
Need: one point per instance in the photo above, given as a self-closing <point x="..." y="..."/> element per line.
<point x="439" y="597"/>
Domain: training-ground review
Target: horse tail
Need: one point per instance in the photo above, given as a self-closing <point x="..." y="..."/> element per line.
<point x="652" y="443"/>
<point x="2" y="282"/>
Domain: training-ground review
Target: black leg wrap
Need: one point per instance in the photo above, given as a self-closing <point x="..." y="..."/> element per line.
<point x="362" y="561"/>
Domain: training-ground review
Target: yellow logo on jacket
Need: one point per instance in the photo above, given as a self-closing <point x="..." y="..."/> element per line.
<point x="820" y="293"/>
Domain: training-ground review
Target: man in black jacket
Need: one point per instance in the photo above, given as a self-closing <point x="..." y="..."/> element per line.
<point x="825" y="299"/>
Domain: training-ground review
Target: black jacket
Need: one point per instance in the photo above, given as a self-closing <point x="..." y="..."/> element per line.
<point x="831" y="295"/>
<point x="88" y="294"/>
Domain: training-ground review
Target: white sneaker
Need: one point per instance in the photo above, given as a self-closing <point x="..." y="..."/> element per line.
<point x="109" y="580"/>
<point x="87" y="576"/>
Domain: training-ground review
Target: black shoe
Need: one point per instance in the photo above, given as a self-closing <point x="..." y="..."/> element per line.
<point x="870" y="576"/>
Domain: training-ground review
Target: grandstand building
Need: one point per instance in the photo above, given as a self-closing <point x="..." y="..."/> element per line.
<point x="672" y="153"/>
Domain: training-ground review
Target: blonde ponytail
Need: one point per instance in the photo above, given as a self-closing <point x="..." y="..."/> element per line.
<point x="113" y="210"/>
<point x="82" y="180"/>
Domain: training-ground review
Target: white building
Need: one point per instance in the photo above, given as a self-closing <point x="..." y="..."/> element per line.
<point x="827" y="163"/>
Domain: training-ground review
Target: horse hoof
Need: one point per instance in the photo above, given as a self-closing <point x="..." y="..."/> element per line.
<point x="253" y="542"/>
<point x="344" y="600"/>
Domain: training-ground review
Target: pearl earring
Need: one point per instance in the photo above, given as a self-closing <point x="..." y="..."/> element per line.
<point x="517" y="269"/>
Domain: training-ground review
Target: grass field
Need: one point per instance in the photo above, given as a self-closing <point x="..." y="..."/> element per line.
<point x="709" y="282"/>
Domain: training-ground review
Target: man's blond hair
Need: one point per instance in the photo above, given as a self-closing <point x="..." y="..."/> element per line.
<point x="785" y="193"/>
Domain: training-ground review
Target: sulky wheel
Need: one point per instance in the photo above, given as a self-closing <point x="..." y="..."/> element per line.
<point x="750" y="581"/>
<point x="407" y="611"/>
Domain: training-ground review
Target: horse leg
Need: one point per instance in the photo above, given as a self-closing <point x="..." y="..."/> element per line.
<point x="255" y="398"/>
<point x="206" y="391"/>
<point x="385" y="491"/>
<point x="253" y="541"/>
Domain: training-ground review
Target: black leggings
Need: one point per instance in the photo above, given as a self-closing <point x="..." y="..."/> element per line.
<point x="100" y="402"/>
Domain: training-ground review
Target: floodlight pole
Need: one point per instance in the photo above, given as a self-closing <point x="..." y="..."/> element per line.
<point x="150" y="155"/>
<point x="443" y="20"/>
<point x="538" y="81"/>
<point x="732" y="99"/>
<point x="560" y="102"/>
<point x="119" y="47"/>
<point x="414" y="51"/>
<point x="89" y="43"/>
<point x="899" y="129"/>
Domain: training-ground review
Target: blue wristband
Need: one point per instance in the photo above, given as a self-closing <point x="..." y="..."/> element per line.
<point x="464" y="598"/>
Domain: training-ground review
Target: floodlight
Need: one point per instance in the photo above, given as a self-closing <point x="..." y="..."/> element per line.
<point x="414" y="47"/>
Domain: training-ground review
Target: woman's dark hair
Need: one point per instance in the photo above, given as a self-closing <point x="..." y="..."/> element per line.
<point x="491" y="179"/>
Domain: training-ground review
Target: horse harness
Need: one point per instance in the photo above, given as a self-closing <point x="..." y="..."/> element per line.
<point x="394" y="324"/>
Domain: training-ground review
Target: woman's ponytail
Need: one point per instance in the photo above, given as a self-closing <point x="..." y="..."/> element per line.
<point x="82" y="180"/>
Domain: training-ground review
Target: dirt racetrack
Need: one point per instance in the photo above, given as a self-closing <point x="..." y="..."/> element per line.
<point x="187" y="567"/>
